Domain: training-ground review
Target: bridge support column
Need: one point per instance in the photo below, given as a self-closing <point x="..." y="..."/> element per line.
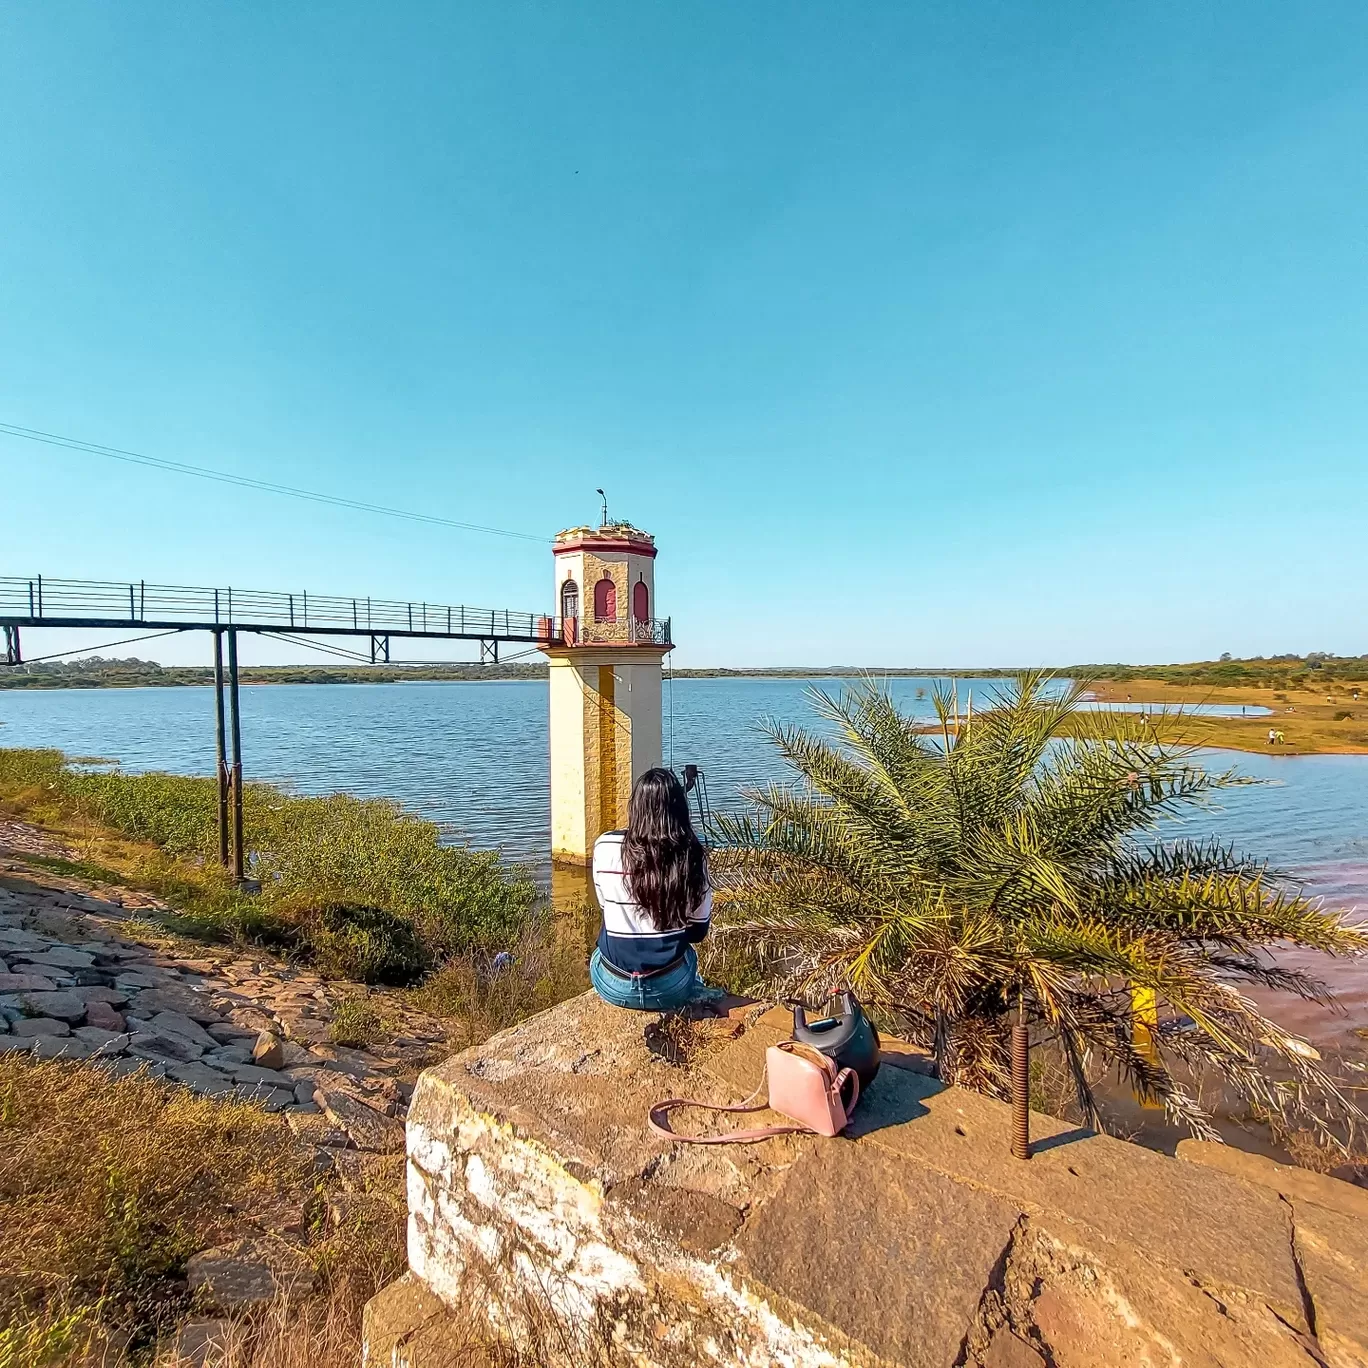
<point x="221" y="746"/>
<point x="239" y="848"/>
<point x="605" y="733"/>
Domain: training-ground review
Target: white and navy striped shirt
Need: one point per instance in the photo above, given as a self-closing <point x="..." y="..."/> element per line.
<point x="629" y="940"/>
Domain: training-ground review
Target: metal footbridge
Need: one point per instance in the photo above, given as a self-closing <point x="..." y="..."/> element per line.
<point x="224" y="612"/>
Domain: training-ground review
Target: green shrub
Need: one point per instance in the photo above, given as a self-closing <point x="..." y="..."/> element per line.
<point x="367" y="944"/>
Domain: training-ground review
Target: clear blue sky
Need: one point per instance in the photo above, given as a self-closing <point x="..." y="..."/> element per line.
<point x="917" y="333"/>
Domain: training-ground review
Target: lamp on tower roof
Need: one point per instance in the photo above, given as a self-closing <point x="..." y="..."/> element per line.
<point x="604" y="497"/>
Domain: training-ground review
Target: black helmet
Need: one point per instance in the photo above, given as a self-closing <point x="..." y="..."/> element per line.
<point x="847" y="1037"/>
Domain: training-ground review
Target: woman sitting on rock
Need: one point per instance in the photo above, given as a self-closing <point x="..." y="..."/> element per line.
<point x="652" y="884"/>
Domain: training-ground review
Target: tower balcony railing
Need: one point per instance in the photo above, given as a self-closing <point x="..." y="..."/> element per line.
<point x="600" y="631"/>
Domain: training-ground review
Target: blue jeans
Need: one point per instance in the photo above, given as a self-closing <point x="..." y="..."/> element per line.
<point x="659" y="993"/>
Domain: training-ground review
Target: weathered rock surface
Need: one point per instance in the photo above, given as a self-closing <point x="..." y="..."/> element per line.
<point x="535" y="1185"/>
<point x="368" y="1129"/>
<point x="39" y="1026"/>
<point x="201" y="1342"/>
<point x="246" y="1273"/>
<point x="210" y="1021"/>
<point x="268" y="1051"/>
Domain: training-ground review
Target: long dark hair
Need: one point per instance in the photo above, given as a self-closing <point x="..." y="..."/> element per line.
<point x="667" y="874"/>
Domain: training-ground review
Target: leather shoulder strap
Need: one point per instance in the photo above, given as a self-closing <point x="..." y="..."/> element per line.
<point x="660" y="1124"/>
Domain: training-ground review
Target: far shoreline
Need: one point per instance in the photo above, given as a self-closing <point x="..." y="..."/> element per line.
<point x="1326" y="719"/>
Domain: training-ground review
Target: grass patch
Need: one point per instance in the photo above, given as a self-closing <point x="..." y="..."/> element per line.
<point x="75" y="869"/>
<point x="357" y="1022"/>
<point x="359" y="886"/>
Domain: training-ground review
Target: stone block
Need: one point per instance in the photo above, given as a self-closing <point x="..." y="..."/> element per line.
<point x="268" y="1051"/>
<point x="61" y="1047"/>
<point x="66" y="1005"/>
<point x="201" y="1343"/>
<point x="126" y="1066"/>
<point x="179" y="1024"/>
<point x="246" y="1273"/>
<point x="201" y="1079"/>
<point x="1333" y="1249"/>
<point x="103" y="1015"/>
<point x="116" y="997"/>
<point x="151" y="1045"/>
<point x="837" y="1238"/>
<point x="26" y="983"/>
<point x="406" y="1326"/>
<point x="196" y="1006"/>
<point x="61" y="957"/>
<point x="101" y="1041"/>
<point x="1295" y="1184"/>
<point x="41" y="1026"/>
<point x="534" y="1183"/>
<point x="368" y="1128"/>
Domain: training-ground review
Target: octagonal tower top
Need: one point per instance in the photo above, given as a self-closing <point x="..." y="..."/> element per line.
<point x="605" y="587"/>
<point x="619" y="537"/>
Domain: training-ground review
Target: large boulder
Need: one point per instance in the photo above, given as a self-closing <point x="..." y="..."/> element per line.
<point x="539" y="1199"/>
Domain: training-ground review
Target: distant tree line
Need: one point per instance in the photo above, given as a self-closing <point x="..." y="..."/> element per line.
<point x="101" y="672"/>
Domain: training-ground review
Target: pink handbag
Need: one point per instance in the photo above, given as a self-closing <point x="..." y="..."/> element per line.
<point x="804" y="1085"/>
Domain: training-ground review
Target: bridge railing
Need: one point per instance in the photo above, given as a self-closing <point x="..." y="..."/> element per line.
<point x="59" y="600"/>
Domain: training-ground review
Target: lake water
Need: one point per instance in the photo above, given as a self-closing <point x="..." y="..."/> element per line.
<point x="474" y="756"/>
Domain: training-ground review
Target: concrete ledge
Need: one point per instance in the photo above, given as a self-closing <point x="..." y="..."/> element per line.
<point x="540" y="1202"/>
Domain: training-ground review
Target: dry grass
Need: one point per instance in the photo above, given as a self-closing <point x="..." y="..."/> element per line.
<point x="108" y="1186"/>
<point x="1325" y="720"/>
<point x="485" y="994"/>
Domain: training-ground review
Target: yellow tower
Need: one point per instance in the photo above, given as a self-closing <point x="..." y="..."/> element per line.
<point x="605" y="646"/>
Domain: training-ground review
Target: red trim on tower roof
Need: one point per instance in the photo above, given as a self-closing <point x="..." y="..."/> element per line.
<point x="630" y="545"/>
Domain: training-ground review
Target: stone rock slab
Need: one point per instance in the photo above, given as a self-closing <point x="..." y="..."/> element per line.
<point x="201" y="1342"/>
<point x="896" y="1243"/>
<point x="26" y="983"/>
<point x="41" y="1026"/>
<point x="368" y="1129"/>
<point x="246" y="1273"/>
<point x="67" y="1006"/>
<point x="174" y="999"/>
<point x="1295" y="1184"/>
<point x="1333" y="1248"/>
<point x="896" y="1255"/>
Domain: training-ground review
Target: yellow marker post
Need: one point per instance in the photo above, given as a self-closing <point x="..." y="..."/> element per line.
<point x="1145" y="1033"/>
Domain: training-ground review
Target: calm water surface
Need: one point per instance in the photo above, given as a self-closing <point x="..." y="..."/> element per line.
<point x="474" y="757"/>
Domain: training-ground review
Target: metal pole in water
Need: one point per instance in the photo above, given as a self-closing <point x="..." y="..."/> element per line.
<point x="222" y="751"/>
<point x="237" y="755"/>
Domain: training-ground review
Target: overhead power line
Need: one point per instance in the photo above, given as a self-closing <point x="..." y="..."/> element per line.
<point x="247" y="482"/>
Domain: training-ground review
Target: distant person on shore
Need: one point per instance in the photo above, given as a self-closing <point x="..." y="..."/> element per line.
<point x="1272" y="737"/>
<point x="653" y="888"/>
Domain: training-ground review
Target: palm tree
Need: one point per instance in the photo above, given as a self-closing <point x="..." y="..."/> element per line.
<point x="1009" y="861"/>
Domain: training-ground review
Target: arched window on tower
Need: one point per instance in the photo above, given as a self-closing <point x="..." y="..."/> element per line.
<point x="641" y="601"/>
<point x="605" y="600"/>
<point x="569" y="606"/>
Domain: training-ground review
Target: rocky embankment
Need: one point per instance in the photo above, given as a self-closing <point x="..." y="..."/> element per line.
<point x="84" y="976"/>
